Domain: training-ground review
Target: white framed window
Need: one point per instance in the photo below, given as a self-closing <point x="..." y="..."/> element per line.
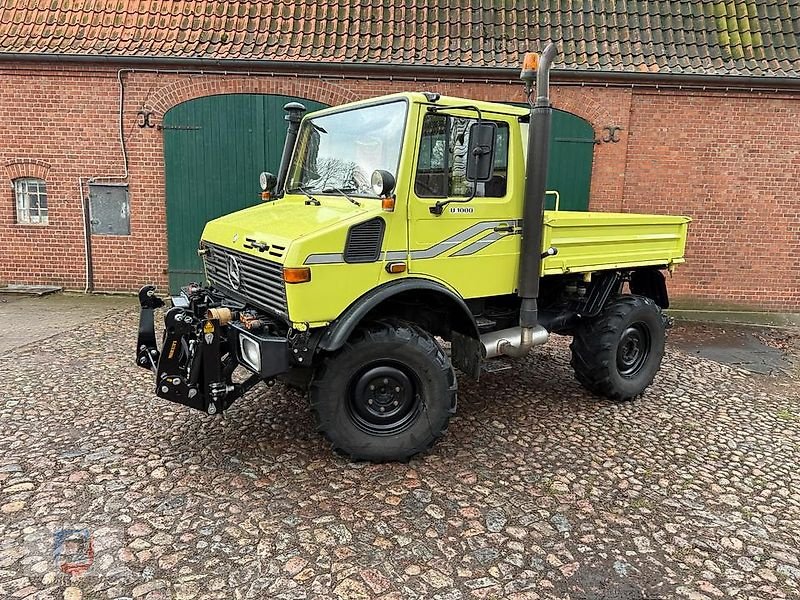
<point x="31" y="194"/>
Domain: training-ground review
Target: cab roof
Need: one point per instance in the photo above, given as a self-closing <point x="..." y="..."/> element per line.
<point x="423" y="98"/>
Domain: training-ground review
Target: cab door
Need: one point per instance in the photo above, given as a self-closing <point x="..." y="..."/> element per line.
<point x="473" y="245"/>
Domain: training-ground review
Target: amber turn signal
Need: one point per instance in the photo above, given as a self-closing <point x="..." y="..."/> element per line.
<point x="265" y="196"/>
<point x="387" y="204"/>
<point x="296" y="274"/>
<point x="396" y="267"/>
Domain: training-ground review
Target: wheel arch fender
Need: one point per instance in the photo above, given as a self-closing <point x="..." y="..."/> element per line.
<point x="343" y="326"/>
<point x="651" y="283"/>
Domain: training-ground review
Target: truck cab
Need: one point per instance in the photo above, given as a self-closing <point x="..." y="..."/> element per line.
<point x="331" y="220"/>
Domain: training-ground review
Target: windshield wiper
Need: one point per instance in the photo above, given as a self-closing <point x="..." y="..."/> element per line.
<point x="305" y="192"/>
<point x="331" y="188"/>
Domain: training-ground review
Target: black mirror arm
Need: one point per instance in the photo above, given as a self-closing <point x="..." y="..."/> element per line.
<point x="438" y="208"/>
<point x="442" y="109"/>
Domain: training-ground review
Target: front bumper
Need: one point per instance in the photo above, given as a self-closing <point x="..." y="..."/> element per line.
<point x="199" y="353"/>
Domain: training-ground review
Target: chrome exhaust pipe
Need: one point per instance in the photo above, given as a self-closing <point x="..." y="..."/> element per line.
<point x="515" y="342"/>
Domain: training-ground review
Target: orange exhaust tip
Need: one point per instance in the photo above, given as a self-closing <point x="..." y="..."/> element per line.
<point x="296" y="274"/>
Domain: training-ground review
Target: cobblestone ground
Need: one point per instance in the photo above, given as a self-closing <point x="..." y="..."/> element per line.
<point x="538" y="489"/>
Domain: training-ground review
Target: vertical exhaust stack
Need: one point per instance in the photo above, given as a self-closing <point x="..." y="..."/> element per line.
<point x="516" y="342"/>
<point x="535" y="183"/>
<point x="294" y="114"/>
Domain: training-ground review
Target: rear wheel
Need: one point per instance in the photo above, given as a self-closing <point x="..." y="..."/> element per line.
<point x="387" y="395"/>
<point x="618" y="353"/>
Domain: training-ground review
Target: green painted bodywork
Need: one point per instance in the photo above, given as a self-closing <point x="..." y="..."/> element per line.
<point x="586" y="242"/>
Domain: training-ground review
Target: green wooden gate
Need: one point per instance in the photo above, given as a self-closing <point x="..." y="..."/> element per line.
<point x="214" y="149"/>
<point x="569" y="171"/>
<point x="570" y="167"/>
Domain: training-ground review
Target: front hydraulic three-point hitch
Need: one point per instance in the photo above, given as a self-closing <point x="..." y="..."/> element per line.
<point x="196" y="362"/>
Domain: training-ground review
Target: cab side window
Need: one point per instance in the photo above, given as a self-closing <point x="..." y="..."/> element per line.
<point x="442" y="164"/>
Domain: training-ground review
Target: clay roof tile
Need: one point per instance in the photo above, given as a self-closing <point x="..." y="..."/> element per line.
<point x="674" y="36"/>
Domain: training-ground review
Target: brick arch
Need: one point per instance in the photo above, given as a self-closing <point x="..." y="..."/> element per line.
<point x="27" y="167"/>
<point x="585" y="107"/>
<point x="197" y="87"/>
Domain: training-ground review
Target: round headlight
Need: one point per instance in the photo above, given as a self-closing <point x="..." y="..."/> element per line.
<point x="382" y="182"/>
<point x="267" y="181"/>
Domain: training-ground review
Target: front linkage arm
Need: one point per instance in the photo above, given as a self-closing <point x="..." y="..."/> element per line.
<point x="195" y="365"/>
<point x="146" y="349"/>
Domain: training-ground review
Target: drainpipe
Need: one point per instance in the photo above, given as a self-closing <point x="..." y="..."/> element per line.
<point x="516" y="342"/>
<point x="87" y="238"/>
<point x="294" y="114"/>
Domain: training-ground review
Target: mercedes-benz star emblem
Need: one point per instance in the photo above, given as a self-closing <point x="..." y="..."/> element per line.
<point x="234" y="274"/>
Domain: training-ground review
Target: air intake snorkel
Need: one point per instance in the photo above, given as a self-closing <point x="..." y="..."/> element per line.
<point x="294" y="114"/>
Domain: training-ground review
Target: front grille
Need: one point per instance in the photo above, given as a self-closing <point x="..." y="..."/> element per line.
<point x="260" y="281"/>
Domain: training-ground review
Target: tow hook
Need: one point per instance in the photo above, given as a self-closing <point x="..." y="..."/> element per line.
<point x="148" y="298"/>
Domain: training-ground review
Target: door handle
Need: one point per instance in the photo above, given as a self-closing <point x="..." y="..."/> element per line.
<point x="506" y="228"/>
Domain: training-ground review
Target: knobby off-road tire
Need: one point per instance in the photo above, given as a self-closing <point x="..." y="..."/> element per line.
<point x="388" y="394"/>
<point x="618" y="353"/>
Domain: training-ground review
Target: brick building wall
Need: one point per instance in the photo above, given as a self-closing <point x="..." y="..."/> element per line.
<point x="731" y="161"/>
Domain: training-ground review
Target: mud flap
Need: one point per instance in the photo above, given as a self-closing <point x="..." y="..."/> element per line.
<point x="466" y="354"/>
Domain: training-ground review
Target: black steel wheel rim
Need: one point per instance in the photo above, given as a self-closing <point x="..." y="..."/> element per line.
<point x="384" y="398"/>
<point x="633" y="349"/>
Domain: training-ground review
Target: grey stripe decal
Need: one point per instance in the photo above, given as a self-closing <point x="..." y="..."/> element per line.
<point x="455" y="240"/>
<point x="436" y="249"/>
<point x="489" y="239"/>
<point x="480" y="244"/>
<point x="324" y="259"/>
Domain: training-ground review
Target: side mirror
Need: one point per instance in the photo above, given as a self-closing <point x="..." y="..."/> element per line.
<point x="382" y="183"/>
<point x="480" y="158"/>
<point x="267" y="182"/>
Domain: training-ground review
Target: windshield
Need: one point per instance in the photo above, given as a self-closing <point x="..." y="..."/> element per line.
<point x="338" y="152"/>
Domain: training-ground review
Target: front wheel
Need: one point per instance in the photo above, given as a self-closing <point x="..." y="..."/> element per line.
<point x="387" y="395"/>
<point x="618" y="353"/>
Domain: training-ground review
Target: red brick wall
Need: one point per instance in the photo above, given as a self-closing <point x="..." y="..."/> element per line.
<point x="732" y="163"/>
<point x="729" y="161"/>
